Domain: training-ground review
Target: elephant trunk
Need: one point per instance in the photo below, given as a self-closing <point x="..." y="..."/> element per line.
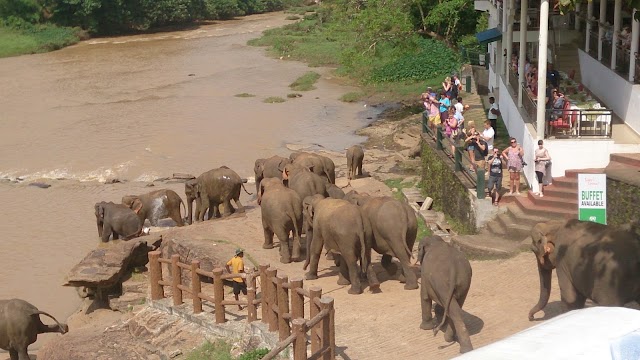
<point x="545" y="290"/>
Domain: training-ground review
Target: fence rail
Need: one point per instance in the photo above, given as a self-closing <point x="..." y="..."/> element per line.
<point x="459" y="157"/>
<point x="282" y="300"/>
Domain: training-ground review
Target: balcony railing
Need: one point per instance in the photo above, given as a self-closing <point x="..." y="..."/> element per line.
<point x="593" y="43"/>
<point x="529" y="106"/>
<point x="623" y="56"/>
<point x="513" y="82"/>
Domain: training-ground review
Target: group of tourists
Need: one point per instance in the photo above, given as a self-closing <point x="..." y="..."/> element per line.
<point x="447" y="111"/>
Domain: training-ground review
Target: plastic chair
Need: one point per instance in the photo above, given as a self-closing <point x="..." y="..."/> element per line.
<point x="565" y="120"/>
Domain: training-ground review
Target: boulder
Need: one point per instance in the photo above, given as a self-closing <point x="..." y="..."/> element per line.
<point x="104" y="267"/>
<point x="211" y="254"/>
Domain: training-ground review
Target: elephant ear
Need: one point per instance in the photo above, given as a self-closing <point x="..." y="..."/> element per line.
<point x="136" y="206"/>
<point x="282" y="164"/>
<point x="547" y="233"/>
<point x="101" y="211"/>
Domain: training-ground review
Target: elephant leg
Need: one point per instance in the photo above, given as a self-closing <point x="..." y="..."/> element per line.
<point x="388" y="264"/>
<point x="175" y="216"/>
<point x="460" y="329"/>
<point x="428" y="322"/>
<point x="239" y="206"/>
<point x="296" y="246"/>
<point x="13" y="354"/>
<point x="227" y="208"/>
<point x="343" y="274"/>
<point x="23" y="354"/>
<point x="106" y="233"/>
<point x="116" y="236"/>
<point x="408" y="275"/>
<point x="285" y="253"/>
<point x="448" y="330"/>
<point x="314" y="257"/>
<point x="570" y="297"/>
<point x="268" y="238"/>
<point x="204" y="205"/>
<point x="360" y="168"/>
<point x="354" y="274"/>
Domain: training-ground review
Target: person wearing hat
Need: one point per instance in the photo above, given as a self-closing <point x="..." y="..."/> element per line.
<point x="237" y="266"/>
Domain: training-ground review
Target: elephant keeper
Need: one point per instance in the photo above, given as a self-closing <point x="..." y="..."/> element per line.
<point x="237" y="266"/>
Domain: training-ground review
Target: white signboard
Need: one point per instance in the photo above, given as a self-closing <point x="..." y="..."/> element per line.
<point x="592" y="198"/>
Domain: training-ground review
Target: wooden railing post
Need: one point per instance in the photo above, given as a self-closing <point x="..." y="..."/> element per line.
<point x="273" y="302"/>
<point x="196" y="287"/>
<point x="155" y="275"/>
<point x="439" y="137"/>
<point x="284" y="328"/>
<point x="264" y="288"/>
<point x="218" y="295"/>
<point x="176" y="278"/>
<point x="480" y="189"/>
<point x="300" y="342"/>
<point x="458" y="157"/>
<point x="252" y="312"/>
<point x="315" y="292"/>
<point x="297" y="300"/>
<point x="326" y="303"/>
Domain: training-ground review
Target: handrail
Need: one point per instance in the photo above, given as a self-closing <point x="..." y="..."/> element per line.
<point x="460" y="158"/>
<point x="579" y="123"/>
<point x="282" y="300"/>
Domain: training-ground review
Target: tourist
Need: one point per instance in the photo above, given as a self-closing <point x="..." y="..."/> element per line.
<point x="553" y="76"/>
<point x="237" y="267"/>
<point x="452" y="129"/>
<point x="479" y="151"/>
<point x="558" y="103"/>
<point x="494" y="184"/>
<point x="542" y="159"/>
<point x="445" y="103"/>
<point x="460" y="108"/>
<point x="493" y="114"/>
<point x="488" y="134"/>
<point x="456" y="86"/>
<point x="446" y="86"/>
<point x="514" y="154"/>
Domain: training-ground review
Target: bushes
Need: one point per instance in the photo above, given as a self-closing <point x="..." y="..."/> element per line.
<point x="431" y="59"/>
<point x="29" y="39"/>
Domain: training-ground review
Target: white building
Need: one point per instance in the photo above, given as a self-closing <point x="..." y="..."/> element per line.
<point x="579" y="44"/>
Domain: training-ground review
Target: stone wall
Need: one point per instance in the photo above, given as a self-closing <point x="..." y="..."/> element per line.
<point x="450" y="195"/>
<point x="622" y="201"/>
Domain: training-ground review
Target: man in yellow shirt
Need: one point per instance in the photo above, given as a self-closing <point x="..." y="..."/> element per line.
<point x="237" y="266"/>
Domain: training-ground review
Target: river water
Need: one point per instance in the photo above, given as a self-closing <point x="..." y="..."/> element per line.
<point x="138" y="108"/>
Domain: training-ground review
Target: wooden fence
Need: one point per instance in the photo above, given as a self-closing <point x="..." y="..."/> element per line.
<point x="282" y="299"/>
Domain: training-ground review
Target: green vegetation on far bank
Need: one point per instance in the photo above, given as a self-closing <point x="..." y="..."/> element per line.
<point x="221" y="350"/>
<point x="35" y="39"/>
<point x="305" y="82"/>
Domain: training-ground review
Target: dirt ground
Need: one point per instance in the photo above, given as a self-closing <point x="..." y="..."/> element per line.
<point x="377" y="326"/>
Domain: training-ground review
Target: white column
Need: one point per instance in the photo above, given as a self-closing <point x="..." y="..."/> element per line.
<point x="509" y="38"/>
<point x="577" y="19"/>
<point x="617" y="10"/>
<point x="524" y="5"/>
<point x="542" y="68"/>
<point x="505" y="5"/>
<point x="635" y="34"/>
<point x="587" y="46"/>
<point x="603" y="19"/>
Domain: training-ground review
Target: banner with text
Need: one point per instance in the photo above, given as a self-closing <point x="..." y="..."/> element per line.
<point x="592" y="198"/>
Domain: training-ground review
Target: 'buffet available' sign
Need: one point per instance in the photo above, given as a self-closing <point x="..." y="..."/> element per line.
<point x="592" y="201"/>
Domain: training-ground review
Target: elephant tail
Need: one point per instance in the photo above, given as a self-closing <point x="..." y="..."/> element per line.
<point x="63" y="328"/>
<point x="364" y="262"/>
<point x="245" y="189"/>
<point x="447" y="304"/>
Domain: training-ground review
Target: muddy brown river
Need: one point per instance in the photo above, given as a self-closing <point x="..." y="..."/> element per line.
<point x="138" y="108"/>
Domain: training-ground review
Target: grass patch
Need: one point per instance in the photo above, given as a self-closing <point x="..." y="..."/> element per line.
<point x="292" y="17"/>
<point x="221" y="350"/>
<point x="301" y="10"/>
<point x="305" y="82"/>
<point x="353" y="96"/>
<point x="294" y="95"/>
<point x="273" y="100"/>
<point x="423" y="229"/>
<point x="35" y="39"/>
<point x="244" y="95"/>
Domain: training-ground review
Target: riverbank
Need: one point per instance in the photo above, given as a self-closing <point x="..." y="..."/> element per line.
<point x="35" y="39"/>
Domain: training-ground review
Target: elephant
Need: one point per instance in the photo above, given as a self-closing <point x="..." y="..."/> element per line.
<point x="156" y="205"/>
<point x="338" y="226"/>
<point x="318" y="164"/>
<point x="269" y="168"/>
<point x="393" y="228"/>
<point x="211" y="189"/>
<point x="334" y="191"/>
<point x="446" y="279"/>
<point x="593" y="261"/>
<point x="20" y="325"/>
<point x="303" y="181"/>
<point x="355" y="156"/>
<point x="281" y="214"/>
<point x="117" y="220"/>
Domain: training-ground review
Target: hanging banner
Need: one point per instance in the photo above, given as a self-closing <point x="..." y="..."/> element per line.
<point x="592" y="198"/>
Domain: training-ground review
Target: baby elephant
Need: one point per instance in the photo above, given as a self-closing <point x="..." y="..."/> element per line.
<point x="355" y="156"/>
<point x="156" y="205"/>
<point x="20" y="325"/>
<point x="117" y="220"/>
<point x="446" y="278"/>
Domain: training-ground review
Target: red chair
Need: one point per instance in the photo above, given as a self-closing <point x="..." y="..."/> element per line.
<point x="565" y="120"/>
